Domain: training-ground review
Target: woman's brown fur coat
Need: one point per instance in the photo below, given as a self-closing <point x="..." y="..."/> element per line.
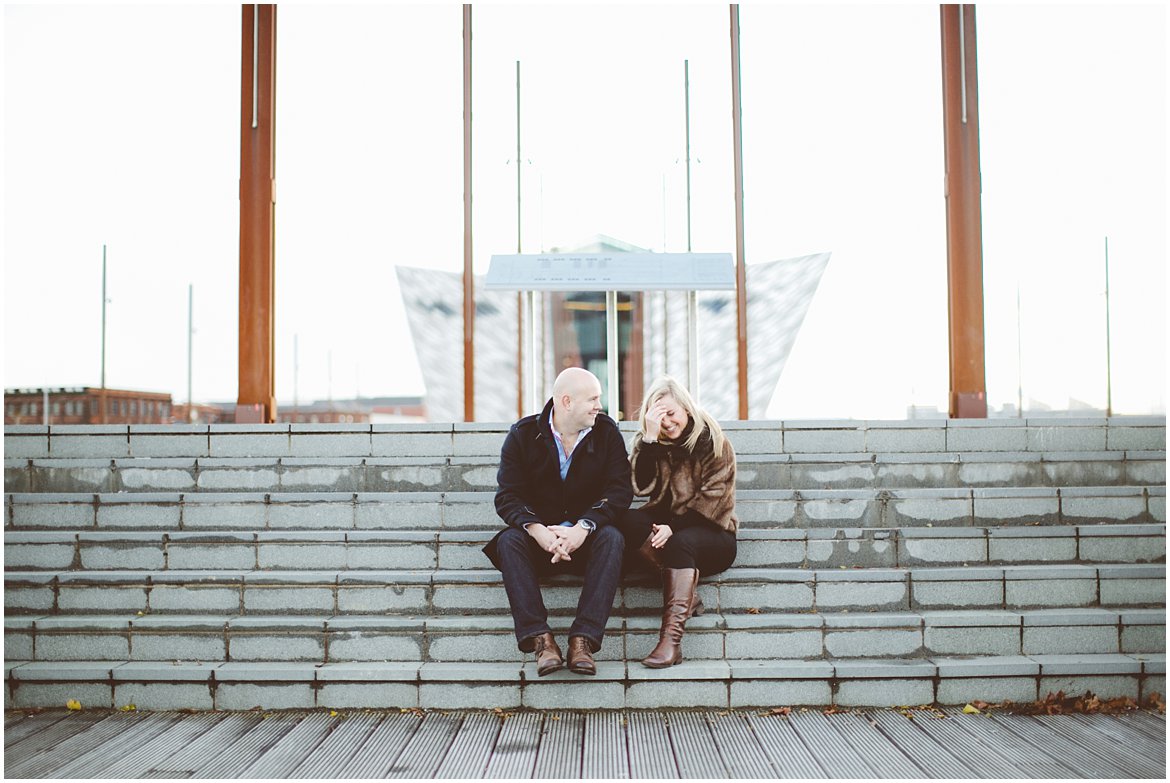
<point x="701" y="481"/>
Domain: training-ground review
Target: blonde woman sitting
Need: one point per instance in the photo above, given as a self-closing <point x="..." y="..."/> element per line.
<point x="685" y="466"/>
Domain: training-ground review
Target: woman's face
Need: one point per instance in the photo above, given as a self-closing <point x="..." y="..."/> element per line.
<point x="674" y="417"/>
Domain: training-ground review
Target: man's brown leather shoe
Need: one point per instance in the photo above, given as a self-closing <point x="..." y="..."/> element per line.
<point x="580" y="656"/>
<point x="548" y="655"/>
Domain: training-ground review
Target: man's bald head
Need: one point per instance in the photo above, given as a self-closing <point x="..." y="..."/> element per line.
<point x="576" y="399"/>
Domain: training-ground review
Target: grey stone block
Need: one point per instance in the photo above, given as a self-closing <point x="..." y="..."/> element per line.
<point x="873" y="643"/>
<point x="238" y="511"/>
<point x="335" y="513"/>
<point x="374" y="695"/>
<point x="905" y="439"/>
<point x="301" y="556"/>
<point x="237" y="479"/>
<point x="227" y="555"/>
<point x="405" y="511"/>
<point x="69" y="512"/>
<point x="1098" y="548"/>
<point x="879" y="596"/>
<point x="35" y="555"/>
<point x="81" y="647"/>
<point x="159" y="511"/>
<point x="85" y="598"/>
<point x="764" y="513"/>
<point x="414" y="444"/>
<point x="266" y="696"/>
<point x="820" y="441"/>
<point x="178" y="647"/>
<point x="1143" y="639"/>
<point x="1136" y="438"/>
<point x="1071" y="639"/>
<point x="26" y="598"/>
<point x="1022" y="593"/>
<point x="994" y="511"/>
<point x="916" y="511"/>
<point x="1125" y="506"/>
<point x="752" y="438"/>
<point x="1066" y="438"/>
<point x="104" y="442"/>
<point x="985" y="435"/>
<point x="942" y="547"/>
<point x="806" y="474"/>
<point x="1007" y="473"/>
<point x="864" y="549"/>
<point x="773" y="693"/>
<point x="1103" y="687"/>
<point x="196" y="598"/>
<point x="56" y="694"/>
<point x="350" y="443"/>
<point x="26" y="441"/>
<point x="994" y="640"/>
<point x="839" y="512"/>
<point x="408" y="555"/>
<point x="321" y="478"/>
<point x="270" y="442"/>
<point x="770" y="553"/>
<point x="469" y="695"/>
<point x="665" y="694"/>
<point x="546" y="694"/>
<point x="883" y="693"/>
<point x="285" y="646"/>
<point x="456" y="598"/>
<point x="347" y="646"/>
<point x="389" y="599"/>
<point x="1133" y="591"/>
<point x="163" y="695"/>
<point x="272" y="599"/>
<point x="1060" y="546"/>
<point x="772" y="644"/>
<point x="964" y="690"/>
<point x="498" y="646"/>
<point x="184" y="442"/>
<point x="118" y="556"/>
<point x="771" y="597"/>
<point x="977" y="592"/>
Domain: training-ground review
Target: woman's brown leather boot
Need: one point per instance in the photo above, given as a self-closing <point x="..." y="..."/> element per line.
<point x="678" y="602"/>
<point x="653" y="558"/>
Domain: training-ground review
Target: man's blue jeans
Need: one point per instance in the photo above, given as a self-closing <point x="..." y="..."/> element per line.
<point x="523" y="562"/>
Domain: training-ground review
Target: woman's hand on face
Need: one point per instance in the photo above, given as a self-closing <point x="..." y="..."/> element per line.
<point x="659" y="535"/>
<point x="654" y="420"/>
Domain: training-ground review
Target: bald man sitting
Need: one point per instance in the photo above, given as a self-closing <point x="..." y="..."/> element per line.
<point x="564" y="479"/>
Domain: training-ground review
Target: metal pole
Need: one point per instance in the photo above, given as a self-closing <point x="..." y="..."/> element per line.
<point x="104" y="300"/>
<point x="45" y="392"/>
<point x="968" y="380"/>
<point x="692" y="295"/>
<point x="1019" y="358"/>
<point x="740" y="270"/>
<point x="468" y="276"/>
<point x="190" y="347"/>
<point x="256" y="402"/>
<point x="1108" y="341"/>
<point x="525" y="391"/>
<point x="611" y="353"/>
<point x="296" y="374"/>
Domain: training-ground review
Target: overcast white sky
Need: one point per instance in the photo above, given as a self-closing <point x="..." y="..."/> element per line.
<point x="121" y="128"/>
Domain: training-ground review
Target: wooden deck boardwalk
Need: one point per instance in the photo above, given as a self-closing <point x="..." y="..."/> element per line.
<point x="863" y="743"/>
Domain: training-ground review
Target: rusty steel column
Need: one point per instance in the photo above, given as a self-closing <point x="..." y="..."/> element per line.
<point x="968" y="382"/>
<point x="468" y="276"/>
<point x="740" y="270"/>
<point x="257" y="400"/>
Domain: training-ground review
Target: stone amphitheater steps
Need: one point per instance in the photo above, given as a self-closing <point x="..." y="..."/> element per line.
<point x="359" y="550"/>
<point x="880" y="563"/>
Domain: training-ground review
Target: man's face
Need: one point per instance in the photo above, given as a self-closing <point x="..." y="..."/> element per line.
<point x="585" y="405"/>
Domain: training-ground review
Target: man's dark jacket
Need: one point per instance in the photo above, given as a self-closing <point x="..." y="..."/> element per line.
<point x="597" y="486"/>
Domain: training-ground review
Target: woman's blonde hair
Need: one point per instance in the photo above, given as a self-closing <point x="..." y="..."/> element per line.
<point x="665" y="385"/>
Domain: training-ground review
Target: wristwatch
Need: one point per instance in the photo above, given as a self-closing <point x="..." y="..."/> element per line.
<point x="588" y="524"/>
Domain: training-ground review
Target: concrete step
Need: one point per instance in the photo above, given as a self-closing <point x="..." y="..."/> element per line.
<point x="481" y="591"/>
<point x="1120" y="433"/>
<point x="832" y="508"/>
<point x="711" y="636"/>
<point x="858" y="470"/>
<point x="415" y="549"/>
<point x="731" y="683"/>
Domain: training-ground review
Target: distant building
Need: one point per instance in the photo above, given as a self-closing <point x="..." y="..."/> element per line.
<point x="84" y="406"/>
<point x="570" y="331"/>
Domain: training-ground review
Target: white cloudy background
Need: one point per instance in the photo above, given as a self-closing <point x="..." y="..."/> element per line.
<point x="121" y="128"/>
